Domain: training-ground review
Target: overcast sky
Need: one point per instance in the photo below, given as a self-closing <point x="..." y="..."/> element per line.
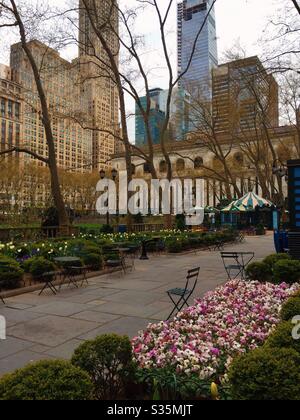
<point x="243" y="19"/>
<point x="236" y="19"/>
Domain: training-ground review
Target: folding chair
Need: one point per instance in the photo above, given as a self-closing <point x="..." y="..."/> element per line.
<point x="184" y="294"/>
<point x="74" y="272"/>
<point x="219" y="246"/>
<point x="48" y="279"/>
<point x="232" y="264"/>
<point x="116" y="264"/>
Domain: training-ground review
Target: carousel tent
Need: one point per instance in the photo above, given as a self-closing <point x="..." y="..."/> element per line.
<point x="249" y="202"/>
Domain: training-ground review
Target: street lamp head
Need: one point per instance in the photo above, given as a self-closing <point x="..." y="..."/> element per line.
<point x="102" y="173"/>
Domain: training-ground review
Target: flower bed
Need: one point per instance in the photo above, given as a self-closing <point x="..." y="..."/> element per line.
<point x="203" y="339"/>
<point x="94" y="250"/>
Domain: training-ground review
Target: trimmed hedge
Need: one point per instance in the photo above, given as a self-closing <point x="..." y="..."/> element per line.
<point x="46" y="380"/>
<point x="272" y="259"/>
<point x="108" y="361"/>
<point x="94" y="261"/>
<point x="37" y="266"/>
<point x="266" y="374"/>
<point x="11" y="273"/>
<point x="290" y="309"/>
<point x="258" y="271"/>
<point x="286" y="271"/>
<point x="282" y="337"/>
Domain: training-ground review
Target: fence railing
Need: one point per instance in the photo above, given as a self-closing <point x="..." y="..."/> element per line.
<point x="145" y="227"/>
<point x="36" y="233"/>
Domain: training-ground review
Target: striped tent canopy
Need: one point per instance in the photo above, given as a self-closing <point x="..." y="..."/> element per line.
<point x="249" y="202"/>
<point x="231" y="208"/>
<point x="211" y="210"/>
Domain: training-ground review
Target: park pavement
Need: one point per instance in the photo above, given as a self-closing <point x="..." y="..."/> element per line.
<point x="51" y="327"/>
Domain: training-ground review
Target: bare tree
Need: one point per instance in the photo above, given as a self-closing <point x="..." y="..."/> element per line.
<point x="290" y="104"/>
<point x="297" y="5"/>
<point x="129" y="82"/>
<point x="281" y="39"/>
<point x="15" y="16"/>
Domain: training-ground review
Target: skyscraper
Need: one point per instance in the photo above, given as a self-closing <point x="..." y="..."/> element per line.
<point x="191" y="16"/>
<point x="243" y="94"/>
<point x="178" y="124"/>
<point x="98" y="88"/>
<point x="156" y="118"/>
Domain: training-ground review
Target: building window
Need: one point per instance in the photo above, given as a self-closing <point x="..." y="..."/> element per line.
<point x="180" y="165"/>
<point x="17" y="110"/>
<point x="10" y="134"/>
<point x="3" y="135"/>
<point x="10" y="109"/>
<point x="147" y="168"/>
<point x="239" y="158"/>
<point x="17" y="135"/>
<point x="198" y="163"/>
<point x="163" y="166"/>
<point x="2" y="110"/>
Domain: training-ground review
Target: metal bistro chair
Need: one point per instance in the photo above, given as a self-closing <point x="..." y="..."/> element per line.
<point x="1" y="298"/>
<point x="183" y="295"/>
<point x="232" y="264"/>
<point x="48" y="279"/>
<point x="117" y="263"/>
<point x="74" y="273"/>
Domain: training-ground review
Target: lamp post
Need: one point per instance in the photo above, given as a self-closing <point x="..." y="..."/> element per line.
<point x="114" y="175"/>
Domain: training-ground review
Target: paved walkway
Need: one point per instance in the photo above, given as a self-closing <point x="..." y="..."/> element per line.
<point x="48" y="326"/>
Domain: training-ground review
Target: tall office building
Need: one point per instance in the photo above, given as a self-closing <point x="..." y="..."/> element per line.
<point x="11" y="110"/>
<point x="156" y="118"/>
<point x="242" y="91"/>
<point x="60" y="81"/>
<point x="178" y="124"/>
<point x="191" y="16"/>
<point x="98" y="87"/>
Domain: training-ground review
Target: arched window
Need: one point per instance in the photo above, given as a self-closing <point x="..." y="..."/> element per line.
<point x="163" y="166"/>
<point x="147" y="168"/>
<point x="133" y="169"/>
<point x="180" y="165"/>
<point x="198" y="163"/>
<point x="239" y="158"/>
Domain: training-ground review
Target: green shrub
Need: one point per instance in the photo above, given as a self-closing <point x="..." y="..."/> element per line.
<point x="180" y="222"/>
<point x="46" y="380"/>
<point x="111" y="256"/>
<point x="10" y="273"/>
<point x="37" y="266"/>
<point x="174" y="246"/>
<point x="107" y="229"/>
<point x="290" y="309"/>
<point x="266" y="374"/>
<point x="108" y="361"/>
<point x="286" y="271"/>
<point x="282" y="337"/>
<point x="272" y="259"/>
<point x="258" y="271"/>
<point x="260" y="230"/>
<point x="91" y="250"/>
<point x="94" y="261"/>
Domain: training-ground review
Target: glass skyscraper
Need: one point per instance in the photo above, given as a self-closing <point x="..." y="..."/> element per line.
<point x="191" y="16"/>
<point x="178" y="124"/>
<point x="156" y="119"/>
